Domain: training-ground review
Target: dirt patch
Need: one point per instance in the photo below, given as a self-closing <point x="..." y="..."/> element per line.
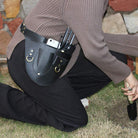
<point x="118" y="114"/>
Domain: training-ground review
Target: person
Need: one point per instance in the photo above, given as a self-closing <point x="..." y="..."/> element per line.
<point x="99" y="59"/>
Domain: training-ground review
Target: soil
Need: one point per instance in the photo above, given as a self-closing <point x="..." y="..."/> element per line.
<point x="118" y="114"/>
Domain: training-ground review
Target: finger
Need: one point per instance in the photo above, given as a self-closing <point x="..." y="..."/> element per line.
<point x="131" y="93"/>
<point x="128" y="88"/>
<point x="125" y="89"/>
<point x="128" y="91"/>
<point x="137" y="90"/>
<point x="135" y="97"/>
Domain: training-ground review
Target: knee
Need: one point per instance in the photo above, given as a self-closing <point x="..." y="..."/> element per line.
<point x="84" y="119"/>
<point x="79" y="121"/>
<point x="74" y="126"/>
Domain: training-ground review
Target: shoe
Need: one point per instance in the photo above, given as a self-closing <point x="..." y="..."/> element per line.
<point x="85" y="102"/>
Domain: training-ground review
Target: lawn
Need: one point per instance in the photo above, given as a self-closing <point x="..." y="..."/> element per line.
<point x="107" y="119"/>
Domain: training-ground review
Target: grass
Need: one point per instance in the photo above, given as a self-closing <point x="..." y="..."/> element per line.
<point x="107" y="119"/>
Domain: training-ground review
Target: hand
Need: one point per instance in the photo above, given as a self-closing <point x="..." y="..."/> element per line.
<point x="131" y="87"/>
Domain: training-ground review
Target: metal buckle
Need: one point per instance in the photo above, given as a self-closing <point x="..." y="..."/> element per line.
<point x="29" y="59"/>
<point x="57" y="69"/>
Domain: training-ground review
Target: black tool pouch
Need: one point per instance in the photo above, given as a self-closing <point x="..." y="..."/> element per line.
<point x="44" y="64"/>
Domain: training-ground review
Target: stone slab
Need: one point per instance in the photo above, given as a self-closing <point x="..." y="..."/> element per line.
<point x="1" y="21"/>
<point x="131" y="21"/>
<point x="4" y="41"/>
<point x="12" y="8"/>
<point x="123" y="5"/>
<point x="13" y="25"/>
<point x="1" y="5"/>
<point x="22" y="12"/>
<point x="114" y="24"/>
<point x="28" y="5"/>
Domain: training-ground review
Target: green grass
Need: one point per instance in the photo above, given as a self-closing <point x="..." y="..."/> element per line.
<point x="1" y="78"/>
<point x="105" y="119"/>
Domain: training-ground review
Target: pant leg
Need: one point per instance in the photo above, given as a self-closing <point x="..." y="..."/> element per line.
<point x="60" y="105"/>
<point x="17" y="105"/>
<point x="86" y="78"/>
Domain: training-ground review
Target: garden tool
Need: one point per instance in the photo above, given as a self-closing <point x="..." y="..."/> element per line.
<point x="131" y="108"/>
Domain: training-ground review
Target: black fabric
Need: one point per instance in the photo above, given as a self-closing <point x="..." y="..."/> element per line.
<point x="57" y="105"/>
<point x="86" y="78"/>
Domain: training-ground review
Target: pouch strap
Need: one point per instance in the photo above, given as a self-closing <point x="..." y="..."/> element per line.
<point x="32" y="35"/>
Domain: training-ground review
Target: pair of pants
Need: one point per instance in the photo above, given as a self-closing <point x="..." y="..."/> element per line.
<point x="57" y="105"/>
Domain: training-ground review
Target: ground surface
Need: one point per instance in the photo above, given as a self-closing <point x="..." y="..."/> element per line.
<point x="107" y="119"/>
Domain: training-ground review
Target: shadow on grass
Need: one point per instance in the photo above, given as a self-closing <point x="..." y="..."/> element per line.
<point x="118" y="114"/>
